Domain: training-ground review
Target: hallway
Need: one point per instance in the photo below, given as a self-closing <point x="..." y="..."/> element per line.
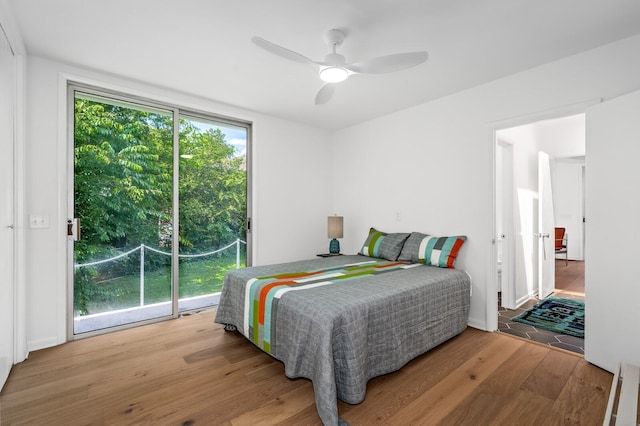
<point x="570" y="285"/>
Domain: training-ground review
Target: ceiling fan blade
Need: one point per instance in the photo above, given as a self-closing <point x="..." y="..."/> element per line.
<point x="325" y="93"/>
<point x="281" y="51"/>
<point x="389" y="63"/>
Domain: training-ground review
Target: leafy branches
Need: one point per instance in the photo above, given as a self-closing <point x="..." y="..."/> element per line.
<point x="123" y="160"/>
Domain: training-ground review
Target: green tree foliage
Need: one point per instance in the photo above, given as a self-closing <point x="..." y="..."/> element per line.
<point x="123" y="176"/>
<point x="212" y="191"/>
<point x="123" y="188"/>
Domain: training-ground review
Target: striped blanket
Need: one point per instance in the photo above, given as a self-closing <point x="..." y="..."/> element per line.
<point x="341" y="334"/>
<point x="262" y="294"/>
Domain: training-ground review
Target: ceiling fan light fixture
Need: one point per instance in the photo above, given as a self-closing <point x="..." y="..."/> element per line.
<point x="333" y="74"/>
<point x="335" y="68"/>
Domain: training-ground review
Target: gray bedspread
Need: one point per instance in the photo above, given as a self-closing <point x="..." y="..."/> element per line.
<point x="342" y="335"/>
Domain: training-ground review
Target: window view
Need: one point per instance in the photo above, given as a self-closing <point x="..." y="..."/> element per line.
<point x="124" y="199"/>
<point x="213" y="194"/>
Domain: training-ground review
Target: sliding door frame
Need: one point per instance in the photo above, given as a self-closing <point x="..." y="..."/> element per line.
<point x="177" y="112"/>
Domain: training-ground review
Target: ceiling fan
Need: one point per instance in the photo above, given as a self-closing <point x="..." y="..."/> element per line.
<point x="334" y="69"/>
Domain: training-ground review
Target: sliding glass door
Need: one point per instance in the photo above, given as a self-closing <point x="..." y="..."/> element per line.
<point x="213" y="206"/>
<point x="159" y="209"/>
<point x="123" y="186"/>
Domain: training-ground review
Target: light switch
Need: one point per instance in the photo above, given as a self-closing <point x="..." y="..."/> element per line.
<point x="38" y="221"/>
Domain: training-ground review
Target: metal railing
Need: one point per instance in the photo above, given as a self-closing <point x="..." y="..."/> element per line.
<point x="142" y="248"/>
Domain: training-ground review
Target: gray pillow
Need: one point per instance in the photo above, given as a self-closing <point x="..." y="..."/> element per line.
<point x="382" y="245"/>
<point x="391" y="245"/>
<point x="411" y="247"/>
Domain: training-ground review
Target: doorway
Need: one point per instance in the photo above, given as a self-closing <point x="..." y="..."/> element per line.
<point x="159" y="199"/>
<point x="564" y="139"/>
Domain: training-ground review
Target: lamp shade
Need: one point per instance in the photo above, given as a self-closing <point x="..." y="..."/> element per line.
<point x="335" y="226"/>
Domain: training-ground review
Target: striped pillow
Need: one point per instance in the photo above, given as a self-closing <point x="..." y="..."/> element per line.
<point x="382" y="245"/>
<point x="432" y="250"/>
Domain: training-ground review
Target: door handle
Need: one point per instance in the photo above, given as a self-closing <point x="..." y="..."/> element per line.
<point x="544" y="247"/>
<point x="73" y="228"/>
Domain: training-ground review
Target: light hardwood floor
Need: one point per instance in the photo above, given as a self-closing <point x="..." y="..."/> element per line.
<point x="570" y="278"/>
<point x="189" y="371"/>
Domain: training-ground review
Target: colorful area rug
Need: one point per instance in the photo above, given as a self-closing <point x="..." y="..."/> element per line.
<point x="565" y="316"/>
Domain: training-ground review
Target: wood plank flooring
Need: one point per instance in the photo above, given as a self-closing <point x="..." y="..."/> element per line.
<point x="570" y="278"/>
<point x="189" y="371"/>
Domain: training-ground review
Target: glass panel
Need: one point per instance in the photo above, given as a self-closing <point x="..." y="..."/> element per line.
<point x="122" y="195"/>
<point x="212" y="206"/>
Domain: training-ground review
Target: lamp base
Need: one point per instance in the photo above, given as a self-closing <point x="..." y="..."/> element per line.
<point x="334" y="246"/>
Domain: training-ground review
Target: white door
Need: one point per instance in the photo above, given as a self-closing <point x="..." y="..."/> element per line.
<point x="612" y="293"/>
<point x="504" y="223"/>
<point x="7" y="78"/>
<point x="546" y="231"/>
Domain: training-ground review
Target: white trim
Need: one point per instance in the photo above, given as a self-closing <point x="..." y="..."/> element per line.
<point x="493" y="127"/>
<point x="521" y="301"/>
<point x="491" y="310"/>
<point x="20" y="297"/>
<point x="170" y="100"/>
<point x="561" y="111"/>
<point x="62" y="208"/>
<point x="477" y="324"/>
<point x="38" y="344"/>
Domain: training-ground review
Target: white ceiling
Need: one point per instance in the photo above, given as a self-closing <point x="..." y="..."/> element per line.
<point x="203" y="47"/>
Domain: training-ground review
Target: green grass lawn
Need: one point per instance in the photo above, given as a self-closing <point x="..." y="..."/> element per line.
<point x="196" y="277"/>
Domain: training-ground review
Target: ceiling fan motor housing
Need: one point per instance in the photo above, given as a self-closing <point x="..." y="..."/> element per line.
<point x="334" y="37"/>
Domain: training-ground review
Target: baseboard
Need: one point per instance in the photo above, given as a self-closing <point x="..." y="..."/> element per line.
<point x="480" y="325"/>
<point x="5" y="369"/>
<point x="524" y="300"/>
<point x="34" y="345"/>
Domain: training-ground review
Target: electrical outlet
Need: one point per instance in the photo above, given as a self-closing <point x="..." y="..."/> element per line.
<point x="398" y="216"/>
<point x="36" y="222"/>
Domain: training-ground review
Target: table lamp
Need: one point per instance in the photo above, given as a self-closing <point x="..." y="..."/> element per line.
<point x="335" y="230"/>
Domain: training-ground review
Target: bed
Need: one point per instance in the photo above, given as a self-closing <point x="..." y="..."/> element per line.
<point x="340" y="321"/>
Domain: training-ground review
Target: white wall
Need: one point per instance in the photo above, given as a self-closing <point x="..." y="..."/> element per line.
<point x="290" y="190"/>
<point x="562" y="137"/>
<point x="434" y="162"/>
<point x="568" y="196"/>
